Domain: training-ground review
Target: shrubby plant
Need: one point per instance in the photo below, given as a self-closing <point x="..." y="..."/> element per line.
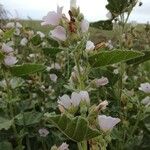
<point x="61" y="91"/>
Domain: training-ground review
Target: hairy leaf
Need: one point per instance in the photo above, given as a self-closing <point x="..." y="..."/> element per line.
<point x="105" y="58"/>
<point x="26" y="69"/>
<point x="5" y="123"/>
<point x="77" y="128"/>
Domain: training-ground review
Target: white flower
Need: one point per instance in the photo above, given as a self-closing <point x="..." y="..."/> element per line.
<point x="53" y="77"/>
<point x="145" y="87"/>
<point x="41" y="34"/>
<point x="53" y="18"/>
<point x="6" y="48"/>
<point x="107" y="123"/>
<point x="116" y="71"/>
<point x="56" y="66"/>
<point x="109" y="15"/>
<point x="59" y="33"/>
<point x="23" y="42"/>
<point x="63" y="146"/>
<point x="101" y="82"/>
<point x="146" y="101"/>
<point x="84" y="96"/>
<point x="73" y="4"/>
<point x="109" y="44"/>
<point x="84" y="26"/>
<point x="10" y="25"/>
<point x="43" y="132"/>
<point x="17" y="31"/>
<point x="89" y="46"/>
<point x="18" y="25"/>
<point x="10" y="60"/>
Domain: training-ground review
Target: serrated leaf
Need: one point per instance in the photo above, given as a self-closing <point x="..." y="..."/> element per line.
<point x="6" y="146"/>
<point x="105" y="58"/>
<point x="77" y="128"/>
<point x="28" y="118"/>
<point x="36" y="40"/>
<point x="5" y="123"/>
<point x="8" y="34"/>
<point x="104" y="25"/>
<point x="141" y="59"/>
<point x="51" y="52"/>
<point x="26" y="69"/>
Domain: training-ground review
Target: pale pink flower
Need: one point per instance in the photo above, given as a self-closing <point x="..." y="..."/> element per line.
<point x="10" y="60"/>
<point x="84" y="96"/>
<point x="89" y="46"/>
<point x="107" y="123"/>
<point x="84" y="25"/>
<point x="63" y="146"/>
<point x="6" y="48"/>
<point x="53" y="18"/>
<point x="59" y="33"/>
<point x="43" y="132"/>
<point x="64" y="101"/>
<point x="102" y="81"/>
<point x="145" y="87"/>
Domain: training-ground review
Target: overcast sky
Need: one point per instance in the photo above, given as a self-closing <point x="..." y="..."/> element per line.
<point x="92" y="9"/>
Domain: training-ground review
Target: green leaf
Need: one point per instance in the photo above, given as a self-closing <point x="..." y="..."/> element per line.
<point x="36" y="40"/>
<point x="141" y="59"/>
<point x="105" y="58"/>
<point x="147" y="122"/>
<point x="77" y="128"/>
<point x="52" y="42"/>
<point x="5" y="123"/>
<point x="99" y="72"/>
<point x="51" y="52"/>
<point x="104" y="25"/>
<point x="28" y="118"/>
<point x="26" y="69"/>
<point x="6" y="146"/>
<point x="8" y="34"/>
<point x="1" y="56"/>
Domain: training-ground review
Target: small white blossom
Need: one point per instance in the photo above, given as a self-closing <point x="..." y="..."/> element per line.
<point x="145" y="87"/>
<point x="10" y="60"/>
<point x="109" y="44"/>
<point x="59" y="33"/>
<point x="17" y="31"/>
<point x="24" y="42"/>
<point x="53" y="18"/>
<point x="41" y="34"/>
<point x="56" y="66"/>
<point x="84" y="26"/>
<point x="107" y="123"/>
<point x="53" y="77"/>
<point x="6" y="48"/>
<point x="43" y="132"/>
<point x="63" y="146"/>
<point x="90" y="46"/>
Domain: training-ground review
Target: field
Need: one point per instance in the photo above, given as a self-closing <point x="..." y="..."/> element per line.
<point x="73" y="85"/>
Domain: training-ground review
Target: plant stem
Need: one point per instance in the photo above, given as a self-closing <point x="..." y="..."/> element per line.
<point x="79" y="146"/>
